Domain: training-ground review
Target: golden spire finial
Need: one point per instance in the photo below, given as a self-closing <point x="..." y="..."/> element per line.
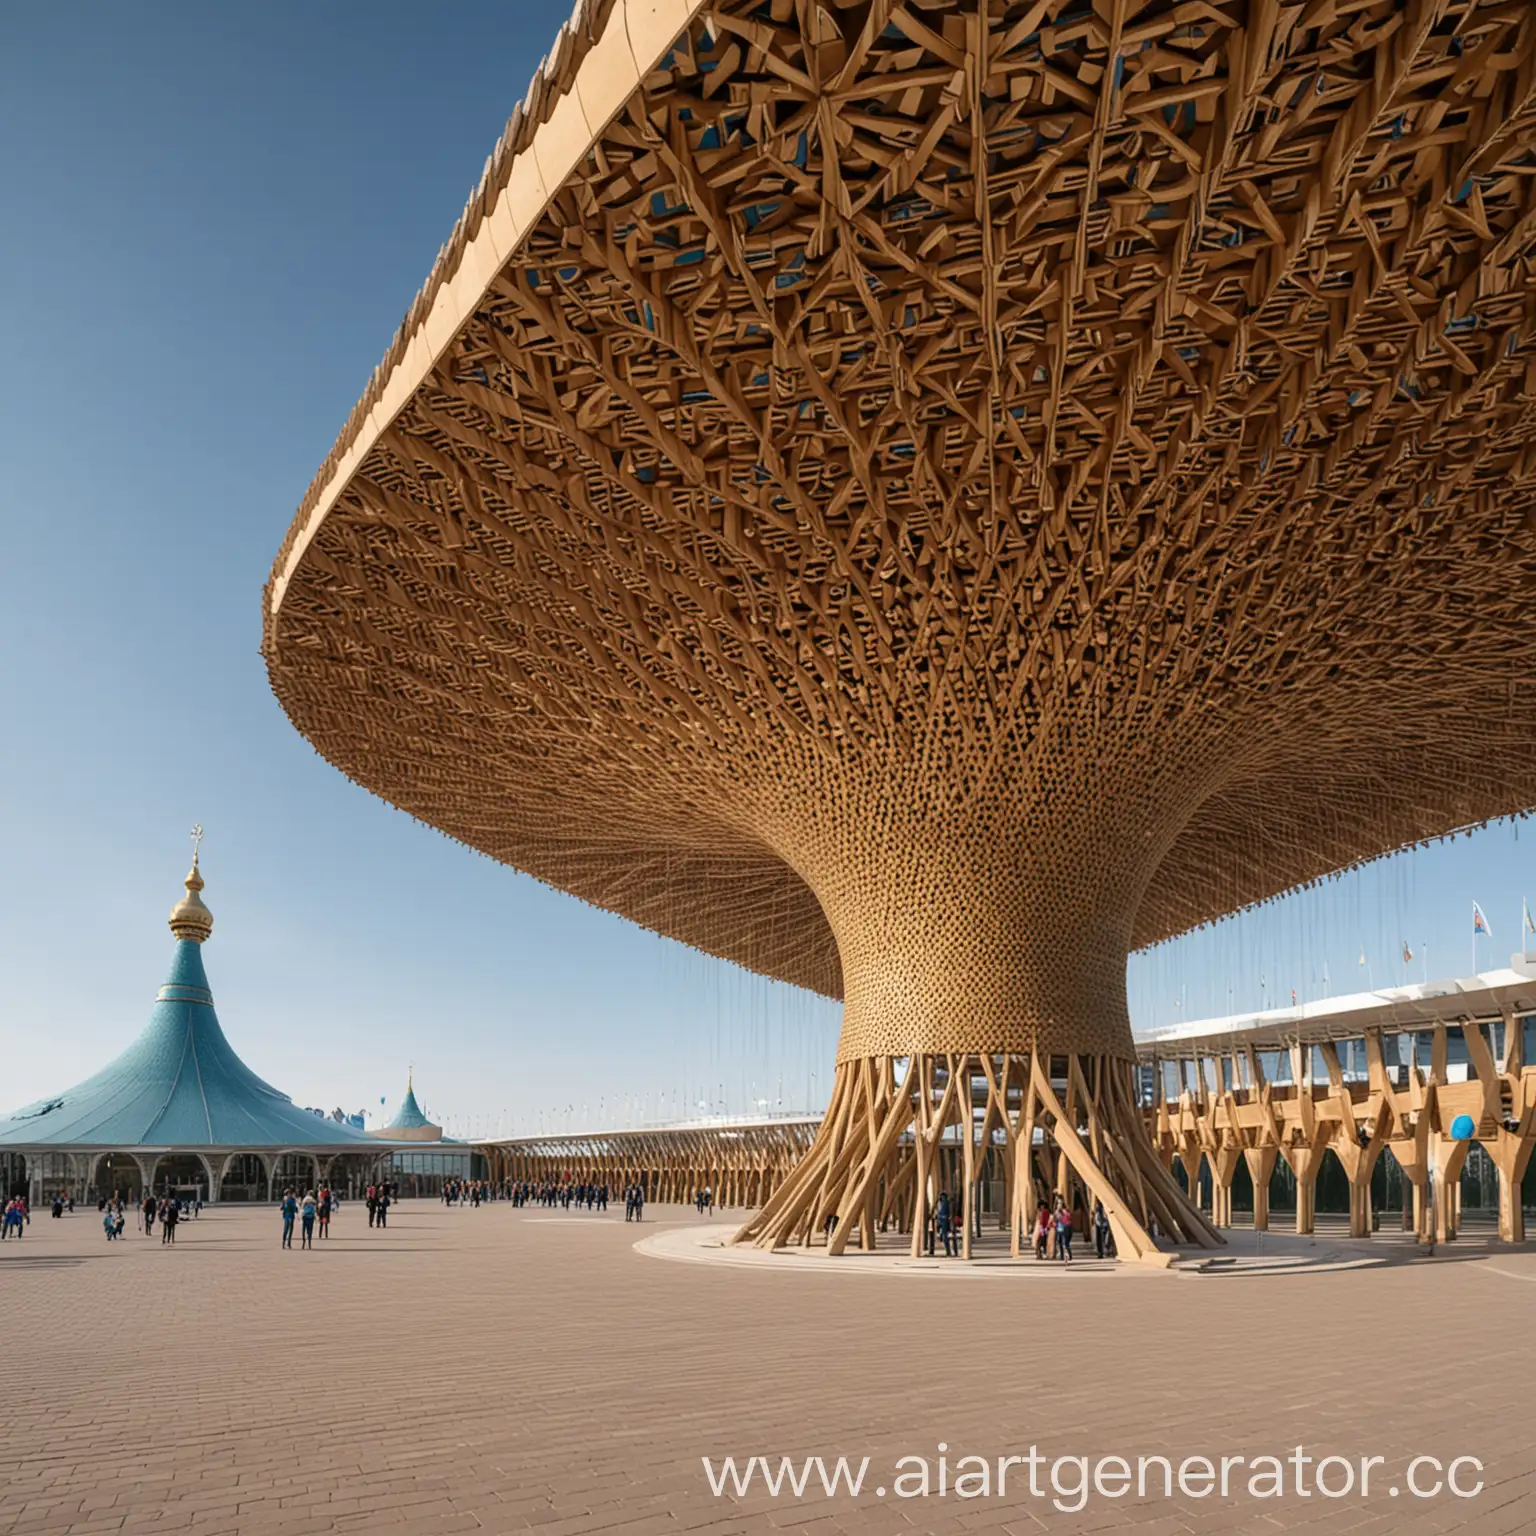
<point x="190" y="919"/>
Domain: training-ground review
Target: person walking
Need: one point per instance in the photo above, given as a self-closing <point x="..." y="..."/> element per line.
<point x="168" y="1219"/>
<point x="943" y="1224"/>
<point x="1102" y="1242"/>
<point x="290" y="1211"/>
<point x="149" y="1215"/>
<point x="373" y="1204"/>
<point x="307" y="1221"/>
<point x="384" y="1204"/>
<point x="1063" y="1231"/>
<point x="325" y="1211"/>
<point x="1042" y="1232"/>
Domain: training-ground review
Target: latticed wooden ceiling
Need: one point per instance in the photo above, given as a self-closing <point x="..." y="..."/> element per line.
<point x="1082" y="453"/>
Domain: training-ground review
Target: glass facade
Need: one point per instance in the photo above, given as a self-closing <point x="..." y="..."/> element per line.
<point x="425" y="1172"/>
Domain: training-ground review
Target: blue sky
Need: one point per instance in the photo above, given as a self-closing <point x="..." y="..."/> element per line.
<point x="214" y="219"/>
<point x="1313" y="941"/>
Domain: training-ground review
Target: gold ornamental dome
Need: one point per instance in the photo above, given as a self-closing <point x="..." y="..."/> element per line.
<point x="190" y="919"/>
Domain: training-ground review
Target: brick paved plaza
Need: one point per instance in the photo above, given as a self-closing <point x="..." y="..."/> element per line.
<point x="528" y="1370"/>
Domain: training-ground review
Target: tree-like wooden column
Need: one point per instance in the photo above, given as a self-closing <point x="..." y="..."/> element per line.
<point x="982" y="933"/>
<point x="921" y="500"/>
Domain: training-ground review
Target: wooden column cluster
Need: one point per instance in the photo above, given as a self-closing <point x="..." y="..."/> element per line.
<point x="1227" y="1108"/>
<point x="897" y="1135"/>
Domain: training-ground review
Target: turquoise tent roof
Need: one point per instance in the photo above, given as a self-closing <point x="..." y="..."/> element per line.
<point x="409" y="1116"/>
<point x="180" y="1084"/>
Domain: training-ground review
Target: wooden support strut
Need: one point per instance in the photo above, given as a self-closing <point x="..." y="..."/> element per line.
<point x="926" y="1136"/>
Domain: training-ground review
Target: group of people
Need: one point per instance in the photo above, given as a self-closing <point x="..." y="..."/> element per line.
<point x="462" y="1192"/>
<point x="579" y="1195"/>
<point x="1055" y="1224"/>
<point x="313" y="1210"/>
<point x="14" y="1218"/>
<point x="168" y="1209"/>
<point x="1053" y="1228"/>
<point x="16" y="1213"/>
<point x="378" y="1198"/>
<point x="592" y="1197"/>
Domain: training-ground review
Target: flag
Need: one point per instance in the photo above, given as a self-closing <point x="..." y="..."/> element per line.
<point x="1293" y="997"/>
<point x="1480" y="923"/>
<point x="1530" y="926"/>
<point x="1407" y="953"/>
<point x="1362" y="954"/>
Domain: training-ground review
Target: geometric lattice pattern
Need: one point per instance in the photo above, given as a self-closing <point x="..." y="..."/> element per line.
<point x="938" y="495"/>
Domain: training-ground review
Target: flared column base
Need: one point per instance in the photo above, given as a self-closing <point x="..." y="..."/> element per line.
<point x="1010" y="1130"/>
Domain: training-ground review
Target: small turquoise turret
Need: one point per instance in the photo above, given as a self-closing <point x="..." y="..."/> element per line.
<point x="410" y="1124"/>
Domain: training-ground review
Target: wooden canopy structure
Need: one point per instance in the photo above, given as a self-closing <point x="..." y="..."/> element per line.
<point x="1390" y="1073"/>
<point x="741" y="1162"/>
<point x="920" y="497"/>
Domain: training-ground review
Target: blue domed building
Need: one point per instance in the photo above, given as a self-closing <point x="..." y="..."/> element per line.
<point x="410" y="1124"/>
<point x="424" y="1159"/>
<point x="180" y="1110"/>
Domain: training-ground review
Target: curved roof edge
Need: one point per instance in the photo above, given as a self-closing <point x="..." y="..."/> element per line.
<point x="1412" y="1006"/>
<point x="600" y="57"/>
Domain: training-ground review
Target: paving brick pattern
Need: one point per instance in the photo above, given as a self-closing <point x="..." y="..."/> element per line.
<point x="527" y="1371"/>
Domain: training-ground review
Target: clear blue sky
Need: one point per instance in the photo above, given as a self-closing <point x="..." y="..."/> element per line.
<point x="214" y="218"/>
<point x="1313" y="941"/>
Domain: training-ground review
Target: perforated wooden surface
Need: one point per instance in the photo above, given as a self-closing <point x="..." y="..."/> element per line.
<point x="945" y="494"/>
